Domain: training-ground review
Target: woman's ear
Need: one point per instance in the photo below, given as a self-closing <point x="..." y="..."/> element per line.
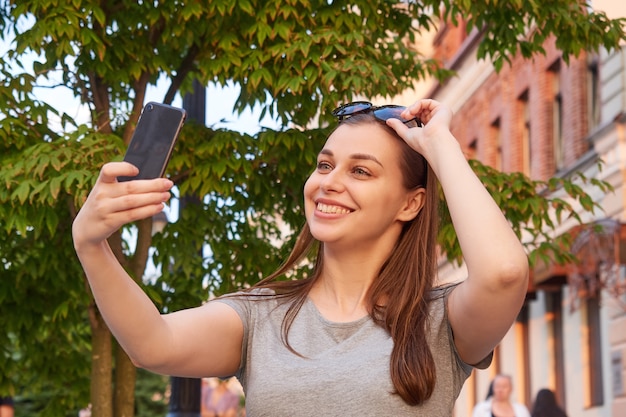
<point x="414" y="203"/>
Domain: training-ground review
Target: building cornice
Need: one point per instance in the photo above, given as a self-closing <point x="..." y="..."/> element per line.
<point x="469" y="45"/>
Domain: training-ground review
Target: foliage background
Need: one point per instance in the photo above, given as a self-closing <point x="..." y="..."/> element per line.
<point x="294" y="59"/>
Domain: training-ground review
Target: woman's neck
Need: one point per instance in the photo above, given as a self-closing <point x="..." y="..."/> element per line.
<point x="348" y="272"/>
<point x="340" y="291"/>
<point x="502" y="408"/>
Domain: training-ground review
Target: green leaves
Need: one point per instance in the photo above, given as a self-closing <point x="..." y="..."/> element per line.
<point x="510" y="27"/>
<point x="41" y="174"/>
<point x="293" y="59"/>
<point x="536" y="210"/>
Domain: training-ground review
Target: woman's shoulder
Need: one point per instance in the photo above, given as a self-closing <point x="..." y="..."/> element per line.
<point x="254" y="293"/>
<point x="254" y="300"/>
<point x="482" y="409"/>
<point x="440" y="292"/>
<point x="521" y="410"/>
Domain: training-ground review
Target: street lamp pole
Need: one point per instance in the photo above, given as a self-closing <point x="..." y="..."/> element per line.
<point x="186" y="393"/>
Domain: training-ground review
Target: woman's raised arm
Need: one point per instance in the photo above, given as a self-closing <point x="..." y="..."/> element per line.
<point x="201" y="341"/>
<point x="485" y="305"/>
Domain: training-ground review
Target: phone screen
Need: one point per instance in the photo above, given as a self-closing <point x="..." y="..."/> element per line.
<point x="154" y="138"/>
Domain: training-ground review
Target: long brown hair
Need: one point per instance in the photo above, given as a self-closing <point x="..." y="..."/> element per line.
<point x="398" y="298"/>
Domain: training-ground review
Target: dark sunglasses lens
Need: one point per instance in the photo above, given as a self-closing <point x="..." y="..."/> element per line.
<point x="351" y="108"/>
<point x="393" y="112"/>
<point x="385" y="113"/>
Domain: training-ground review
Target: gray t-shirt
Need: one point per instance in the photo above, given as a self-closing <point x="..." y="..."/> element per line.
<point x="344" y="368"/>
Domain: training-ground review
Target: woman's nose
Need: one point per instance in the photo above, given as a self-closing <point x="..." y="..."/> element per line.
<point x="332" y="181"/>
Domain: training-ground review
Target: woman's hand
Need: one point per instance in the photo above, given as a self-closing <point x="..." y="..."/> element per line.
<point x="436" y="118"/>
<point x="111" y="204"/>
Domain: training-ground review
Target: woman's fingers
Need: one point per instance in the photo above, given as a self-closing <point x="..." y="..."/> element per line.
<point x="423" y="109"/>
<point x="134" y="200"/>
<point x="145" y="189"/>
<point x="111" y="204"/>
<point x="436" y="118"/>
<point x="109" y="187"/>
<point x="129" y="196"/>
<point x="119" y="218"/>
<point x="111" y="170"/>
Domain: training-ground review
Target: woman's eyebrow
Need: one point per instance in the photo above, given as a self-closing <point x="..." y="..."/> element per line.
<point x="363" y="156"/>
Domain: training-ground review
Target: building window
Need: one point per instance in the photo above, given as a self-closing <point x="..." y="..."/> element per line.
<point x="496" y="142"/>
<point x="472" y="149"/>
<point x="557" y="116"/>
<point x="593" y="93"/>
<point x="554" y="319"/>
<point x="525" y="145"/>
<point x="593" y="353"/>
<point x="523" y="354"/>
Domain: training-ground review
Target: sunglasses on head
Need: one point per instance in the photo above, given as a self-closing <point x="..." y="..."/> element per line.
<point x="381" y="113"/>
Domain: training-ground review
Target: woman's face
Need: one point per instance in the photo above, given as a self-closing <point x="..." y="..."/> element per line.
<point x="502" y="388"/>
<point x="356" y="192"/>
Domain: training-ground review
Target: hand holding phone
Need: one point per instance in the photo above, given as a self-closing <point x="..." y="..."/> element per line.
<point x="153" y="141"/>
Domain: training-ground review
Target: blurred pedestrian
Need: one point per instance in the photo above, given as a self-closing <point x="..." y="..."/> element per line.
<point x="85" y="412"/>
<point x="500" y="404"/>
<point x="218" y="400"/>
<point x="6" y="407"/>
<point x="546" y="406"/>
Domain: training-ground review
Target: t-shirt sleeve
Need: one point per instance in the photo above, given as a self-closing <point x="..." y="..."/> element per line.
<point x="247" y="305"/>
<point x="486" y="361"/>
<point x="241" y="304"/>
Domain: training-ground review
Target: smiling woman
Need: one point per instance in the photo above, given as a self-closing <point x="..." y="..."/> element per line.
<point x="368" y="184"/>
<point x="367" y="333"/>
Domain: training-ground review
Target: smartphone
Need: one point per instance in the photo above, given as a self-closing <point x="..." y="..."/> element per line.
<point x="152" y="143"/>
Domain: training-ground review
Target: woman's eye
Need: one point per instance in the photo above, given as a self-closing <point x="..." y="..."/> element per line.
<point x="361" y="172"/>
<point x="323" y="166"/>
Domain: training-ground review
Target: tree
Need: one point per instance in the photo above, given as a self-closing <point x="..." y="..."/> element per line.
<point x="294" y="58"/>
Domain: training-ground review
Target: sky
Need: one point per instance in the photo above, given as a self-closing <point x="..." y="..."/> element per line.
<point x="220" y="101"/>
<point x="219" y="106"/>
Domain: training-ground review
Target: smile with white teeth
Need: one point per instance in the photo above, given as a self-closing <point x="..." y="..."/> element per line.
<point x="326" y="208"/>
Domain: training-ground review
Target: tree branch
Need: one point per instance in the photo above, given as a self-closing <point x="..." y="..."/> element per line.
<point x="140" y="86"/>
<point x="144" y="240"/>
<point x="185" y="68"/>
<point x="102" y="104"/>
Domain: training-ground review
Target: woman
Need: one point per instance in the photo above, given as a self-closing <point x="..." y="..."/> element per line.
<point x="6" y="407"/>
<point x="218" y="400"/>
<point x="500" y="404"/>
<point x="367" y="333"/>
<point x="546" y="406"/>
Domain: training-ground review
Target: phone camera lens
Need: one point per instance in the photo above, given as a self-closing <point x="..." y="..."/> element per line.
<point x="149" y="107"/>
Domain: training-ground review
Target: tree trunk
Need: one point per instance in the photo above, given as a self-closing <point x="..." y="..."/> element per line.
<point x="125" y="378"/>
<point x="101" y="365"/>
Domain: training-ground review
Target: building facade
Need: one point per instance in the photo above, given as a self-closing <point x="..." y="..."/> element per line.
<point x="546" y="118"/>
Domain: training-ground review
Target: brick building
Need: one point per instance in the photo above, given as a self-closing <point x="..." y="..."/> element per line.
<point x="547" y="118"/>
